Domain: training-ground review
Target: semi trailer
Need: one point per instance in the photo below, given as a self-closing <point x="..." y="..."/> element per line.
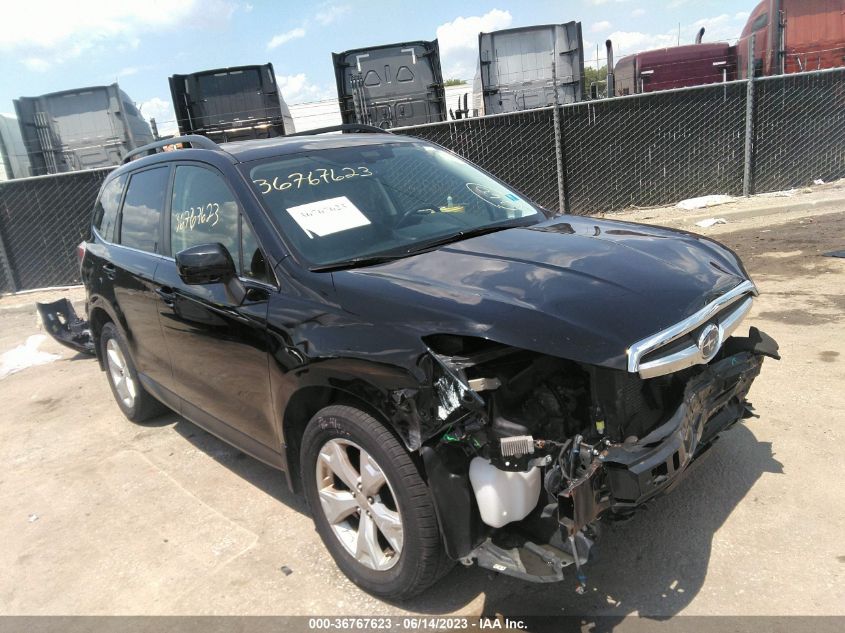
<point x="391" y="85"/>
<point x="84" y="128"/>
<point x="229" y="104"/>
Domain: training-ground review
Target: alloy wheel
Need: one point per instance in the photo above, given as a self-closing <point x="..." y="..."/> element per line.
<point x="123" y="383"/>
<point x="359" y="504"/>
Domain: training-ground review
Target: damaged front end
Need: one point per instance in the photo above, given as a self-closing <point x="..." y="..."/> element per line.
<point x="535" y="451"/>
<point x="62" y="323"/>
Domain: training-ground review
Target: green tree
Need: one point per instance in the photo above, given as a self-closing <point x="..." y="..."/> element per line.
<point x="454" y="82"/>
<point x="594" y="75"/>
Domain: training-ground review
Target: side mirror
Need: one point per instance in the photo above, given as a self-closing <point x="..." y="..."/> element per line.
<point x="205" y="264"/>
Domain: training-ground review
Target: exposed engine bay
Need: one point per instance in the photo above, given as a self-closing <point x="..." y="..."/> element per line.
<point x="535" y="452"/>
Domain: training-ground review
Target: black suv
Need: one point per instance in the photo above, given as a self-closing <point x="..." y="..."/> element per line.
<point x="446" y="370"/>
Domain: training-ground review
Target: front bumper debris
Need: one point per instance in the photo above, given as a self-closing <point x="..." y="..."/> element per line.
<point x="624" y="476"/>
<point x="62" y="323"/>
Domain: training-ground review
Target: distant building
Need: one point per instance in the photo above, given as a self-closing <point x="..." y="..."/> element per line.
<point x="14" y="162"/>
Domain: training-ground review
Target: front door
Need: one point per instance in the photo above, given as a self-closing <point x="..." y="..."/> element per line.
<point x="218" y="349"/>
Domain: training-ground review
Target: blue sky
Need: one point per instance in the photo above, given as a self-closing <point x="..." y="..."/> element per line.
<point x="50" y="46"/>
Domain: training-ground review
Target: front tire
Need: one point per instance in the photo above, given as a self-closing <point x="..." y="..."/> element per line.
<point x="370" y="505"/>
<point x="134" y="401"/>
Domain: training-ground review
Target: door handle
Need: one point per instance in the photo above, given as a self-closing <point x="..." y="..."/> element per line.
<point x="110" y="270"/>
<point x="167" y="294"/>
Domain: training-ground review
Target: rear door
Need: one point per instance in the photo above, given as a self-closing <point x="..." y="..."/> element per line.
<point x="132" y="265"/>
<point x="219" y="349"/>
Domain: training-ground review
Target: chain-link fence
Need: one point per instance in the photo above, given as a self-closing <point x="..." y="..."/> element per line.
<point x="589" y="157"/>
<point x="519" y="148"/>
<point x="799" y="129"/>
<point x="41" y="222"/>
<point x="653" y="149"/>
<point x="661" y="147"/>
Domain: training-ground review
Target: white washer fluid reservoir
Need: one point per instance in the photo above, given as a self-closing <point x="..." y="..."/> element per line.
<point x="503" y="496"/>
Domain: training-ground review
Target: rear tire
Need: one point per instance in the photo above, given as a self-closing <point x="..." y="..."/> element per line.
<point x="370" y="505"/>
<point x="134" y="401"/>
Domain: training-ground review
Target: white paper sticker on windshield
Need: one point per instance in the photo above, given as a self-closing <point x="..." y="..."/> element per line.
<point x="325" y="217"/>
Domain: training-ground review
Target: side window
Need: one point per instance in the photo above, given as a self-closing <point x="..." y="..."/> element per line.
<point x="105" y="211"/>
<point x="203" y="210"/>
<point x="760" y="22"/>
<point x="142" y="208"/>
<point x="254" y="264"/>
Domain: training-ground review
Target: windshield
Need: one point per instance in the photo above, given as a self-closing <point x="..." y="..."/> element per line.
<point x="352" y="204"/>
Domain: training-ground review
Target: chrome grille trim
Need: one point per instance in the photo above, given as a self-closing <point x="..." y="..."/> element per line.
<point x="691" y="355"/>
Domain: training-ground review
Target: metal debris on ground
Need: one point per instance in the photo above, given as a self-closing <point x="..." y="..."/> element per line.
<point x="711" y="222"/>
<point x="703" y="202"/>
<point x="836" y="254"/>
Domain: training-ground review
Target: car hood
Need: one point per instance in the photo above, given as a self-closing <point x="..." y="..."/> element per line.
<point x="573" y="287"/>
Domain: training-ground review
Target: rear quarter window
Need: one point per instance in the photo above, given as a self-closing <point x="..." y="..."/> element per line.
<point x="105" y="211"/>
<point x="140" y="223"/>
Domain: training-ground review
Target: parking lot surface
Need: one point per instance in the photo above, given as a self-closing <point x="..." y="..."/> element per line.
<point x="100" y="516"/>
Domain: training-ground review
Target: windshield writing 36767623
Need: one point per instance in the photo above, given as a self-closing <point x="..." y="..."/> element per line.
<point x="313" y="178"/>
<point x="208" y="214"/>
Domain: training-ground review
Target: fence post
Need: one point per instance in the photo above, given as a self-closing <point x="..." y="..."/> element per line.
<point x="561" y="194"/>
<point x="749" y="121"/>
<point x="6" y="265"/>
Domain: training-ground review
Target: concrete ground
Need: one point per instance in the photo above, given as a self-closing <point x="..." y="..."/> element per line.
<point x="100" y="516"/>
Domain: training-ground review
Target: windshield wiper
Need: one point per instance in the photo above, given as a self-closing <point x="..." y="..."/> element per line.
<point x="357" y="262"/>
<point x="461" y="235"/>
<point x="372" y="260"/>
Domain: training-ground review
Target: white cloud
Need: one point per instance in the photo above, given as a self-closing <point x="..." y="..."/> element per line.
<point x="37" y="64"/>
<point x="162" y="111"/>
<point x="46" y="33"/>
<point x="637" y="13"/>
<point x="714" y="21"/>
<point x="297" y="88"/>
<point x="127" y="72"/>
<point x="331" y="12"/>
<point x="598" y="27"/>
<point x="284" y="38"/>
<point x="598" y="3"/>
<point x="722" y="27"/>
<point x="630" y="42"/>
<point x="742" y="16"/>
<point x="458" y="41"/>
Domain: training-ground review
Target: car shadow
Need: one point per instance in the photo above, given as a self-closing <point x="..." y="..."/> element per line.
<point x="653" y="565"/>
<point x="267" y="479"/>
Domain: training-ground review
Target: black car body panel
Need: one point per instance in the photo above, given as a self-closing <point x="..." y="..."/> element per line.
<point x="462" y="349"/>
<point x="600" y="285"/>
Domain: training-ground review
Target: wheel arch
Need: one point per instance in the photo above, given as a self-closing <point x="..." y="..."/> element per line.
<point x="97" y="318"/>
<point x="304" y="405"/>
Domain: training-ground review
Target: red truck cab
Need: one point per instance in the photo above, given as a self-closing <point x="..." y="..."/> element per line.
<point x="794" y="36"/>
<point x="675" y="67"/>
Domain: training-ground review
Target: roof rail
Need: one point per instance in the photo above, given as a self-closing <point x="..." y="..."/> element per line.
<point x="201" y="142"/>
<point x="346" y="127"/>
